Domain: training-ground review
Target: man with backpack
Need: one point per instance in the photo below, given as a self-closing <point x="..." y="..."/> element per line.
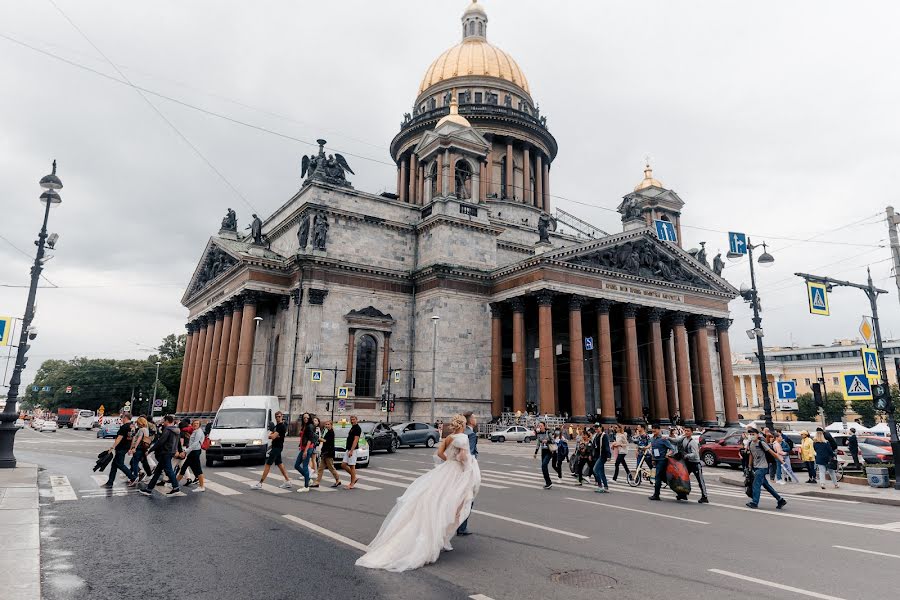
<point x="601" y="453"/>
<point x="690" y="449"/>
<point x="759" y="464"/>
<point x="121" y="446"/>
<point x="166" y="446"/>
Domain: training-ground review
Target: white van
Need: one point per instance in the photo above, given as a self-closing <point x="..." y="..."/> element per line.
<point x="241" y="428"/>
<point x="84" y="420"/>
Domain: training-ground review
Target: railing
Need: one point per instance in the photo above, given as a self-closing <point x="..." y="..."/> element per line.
<point x="476" y="110"/>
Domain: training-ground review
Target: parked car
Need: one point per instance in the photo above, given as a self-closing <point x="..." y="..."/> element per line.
<point x="514" y="433"/>
<point x="380" y="436"/>
<point x="20" y="423"/>
<point x="870" y="453"/>
<point x="108" y="430"/>
<point x="48" y="425"/>
<point x="714" y="434"/>
<point x="728" y="451"/>
<point x="36" y="424"/>
<point x="415" y="433"/>
<point x="340" y="445"/>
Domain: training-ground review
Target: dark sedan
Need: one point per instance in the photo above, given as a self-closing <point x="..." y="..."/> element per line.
<point x="380" y="436"/>
<point x="415" y="433"/>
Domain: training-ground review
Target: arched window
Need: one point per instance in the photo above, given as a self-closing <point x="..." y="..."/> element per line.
<point x="480" y="28"/>
<point x="503" y="190"/>
<point x="434" y="177"/>
<point x="463" y="174"/>
<point x="366" y="367"/>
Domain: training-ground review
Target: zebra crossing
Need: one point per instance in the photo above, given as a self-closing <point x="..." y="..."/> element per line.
<point x="231" y="483"/>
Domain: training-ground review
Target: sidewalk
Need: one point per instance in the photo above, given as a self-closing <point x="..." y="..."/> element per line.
<point x="860" y="493"/>
<point x="20" y="554"/>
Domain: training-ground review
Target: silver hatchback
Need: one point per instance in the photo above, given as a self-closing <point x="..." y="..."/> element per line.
<point x="514" y="433"/>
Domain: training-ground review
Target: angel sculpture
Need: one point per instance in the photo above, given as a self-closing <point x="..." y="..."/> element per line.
<point x="331" y="169"/>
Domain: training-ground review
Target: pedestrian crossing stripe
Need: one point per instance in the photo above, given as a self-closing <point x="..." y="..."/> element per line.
<point x="817" y="294"/>
<point x="856" y="386"/>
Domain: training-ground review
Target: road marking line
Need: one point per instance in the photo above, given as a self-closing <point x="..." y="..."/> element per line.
<point x="221" y="489"/>
<point x="779" y="586"/>
<point x="234" y="477"/>
<point x="363" y="486"/>
<point x="385" y="482"/>
<point x="868" y="551"/>
<point x="527" y="524"/>
<point x="62" y="489"/>
<point x="480" y="597"/>
<point x="803" y="517"/>
<point x="645" y="512"/>
<point x="327" y="532"/>
<point x="318" y="489"/>
<point x="485" y="485"/>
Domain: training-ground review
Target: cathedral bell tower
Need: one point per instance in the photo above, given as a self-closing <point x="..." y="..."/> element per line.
<point x="650" y="201"/>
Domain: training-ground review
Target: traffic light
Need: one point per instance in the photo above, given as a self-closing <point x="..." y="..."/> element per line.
<point x="881" y="395"/>
<point x="392" y="406"/>
<point x="384" y="406"/>
<point x="817" y="395"/>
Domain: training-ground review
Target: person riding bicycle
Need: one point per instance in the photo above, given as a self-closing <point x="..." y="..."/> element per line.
<point x="643" y="446"/>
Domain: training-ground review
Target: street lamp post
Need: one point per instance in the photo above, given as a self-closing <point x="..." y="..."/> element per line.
<point x="752" y="296"/>
<point x="434" y="319"/>
<point x="50" y="183"/>
<point x="155" y="383"/>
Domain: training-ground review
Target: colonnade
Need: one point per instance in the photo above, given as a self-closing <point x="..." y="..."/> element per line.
<point x="218" y="355"/>
<point x="671" y="368"/>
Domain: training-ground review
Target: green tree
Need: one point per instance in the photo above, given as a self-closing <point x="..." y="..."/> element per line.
<point x="172" y="347"/>
<point x="866" y="411"/>
<point x="806" y="408"/>
<point x="835" y="406"/>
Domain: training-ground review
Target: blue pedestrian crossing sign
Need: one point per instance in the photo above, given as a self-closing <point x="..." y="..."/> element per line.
<point x="856" y="386"/>
<point x="737" y="243"/>
<point x="870" y="363"/>
<point x="817" y="294"/>
<point x="342" y="392"/>
<point x="5" y="330"/>
<point x="315" y="376"/>
<point x="787" y="390"/>
<point x="665" y="230"/>
<point x="588" y="343"/>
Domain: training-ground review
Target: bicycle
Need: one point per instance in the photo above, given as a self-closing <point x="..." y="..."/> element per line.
<point x="642" y="471"/>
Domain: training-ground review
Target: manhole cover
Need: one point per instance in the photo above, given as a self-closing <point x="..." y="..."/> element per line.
<point x="583" y="579"/>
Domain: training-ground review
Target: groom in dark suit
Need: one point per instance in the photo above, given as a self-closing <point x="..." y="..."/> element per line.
<point x="471" y="422"/>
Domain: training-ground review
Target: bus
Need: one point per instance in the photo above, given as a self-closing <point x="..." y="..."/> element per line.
<point x="84" y="420"/>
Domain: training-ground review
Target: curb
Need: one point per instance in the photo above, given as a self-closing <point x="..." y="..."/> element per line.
<point x="19" y="522"/>
<point x="820" y="494"/>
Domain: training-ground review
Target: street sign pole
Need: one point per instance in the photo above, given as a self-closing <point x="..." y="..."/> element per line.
<point x="334" y="392"/>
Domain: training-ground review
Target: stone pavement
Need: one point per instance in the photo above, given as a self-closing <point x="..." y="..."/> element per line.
<point x="860" y="493"/>
<point x="20" y="553"/>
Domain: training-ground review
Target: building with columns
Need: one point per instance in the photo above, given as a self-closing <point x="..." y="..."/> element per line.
<point x="345" y="283"/>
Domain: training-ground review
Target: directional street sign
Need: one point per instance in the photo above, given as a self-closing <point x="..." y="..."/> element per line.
<point x="343" y="392"/>
<point x="588" y="343"/>
<point x="665" y="230"/>
<point x="46" y="388"/>
<point x="870" y="363"/>
<point x="856" y="386"/>
<point x="787" y="390"/>
<point x="35" y="388"/>
<point x="867" y="331"/>
<point x="817" y="294"/>
<point x="5" y="330"/>
<point x="315" y="376"/>
<point x="737" y="243"/>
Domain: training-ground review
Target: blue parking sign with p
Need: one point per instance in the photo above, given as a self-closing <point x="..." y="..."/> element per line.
<point x="665" y="230"/>
<point x="787" y="390"/>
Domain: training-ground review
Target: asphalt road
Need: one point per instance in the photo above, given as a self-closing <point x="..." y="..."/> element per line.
<point x="233" y="542"/>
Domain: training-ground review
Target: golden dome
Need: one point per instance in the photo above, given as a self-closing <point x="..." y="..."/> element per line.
<point x="474" y="56"/>
<point x="648" y="180"/>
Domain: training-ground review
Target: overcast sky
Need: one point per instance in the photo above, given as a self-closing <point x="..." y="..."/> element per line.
<point x="778" y="119"/>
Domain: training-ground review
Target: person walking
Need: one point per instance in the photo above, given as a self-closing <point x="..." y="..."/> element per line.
<point x="758" y="451"/>
<point x="620" y="449"/>
<point x="352" y="452"/>
<point x="556" y="441"/>
<point x="853" y="447"/>
<point x="660" y="450"/>
<point x="121" y="447"/>
<point x="808" y="455"/>
<point x="192" y="459"/>
<point x="276" y="447"/>
<point x="582" y="455"/>
<point x="690" y="448"/>
<point x="139" y="444"/>
<point x="317" y="443"/>
<point x="164" y="447"/>
<point x="602" y="453"/>
<point x="786" y="471"/>
<point x="307" y="446"/>
<point x="824" y="457"/>
<point x="471" y="423"/>
<point x="326" y="458"/>
<point x="542" y="445"/>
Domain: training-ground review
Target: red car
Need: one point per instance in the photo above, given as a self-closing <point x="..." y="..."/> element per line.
<point x="728" y="451"/>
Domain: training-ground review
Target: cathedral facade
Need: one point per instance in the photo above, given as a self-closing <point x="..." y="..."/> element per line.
<point x="462" y="286"/>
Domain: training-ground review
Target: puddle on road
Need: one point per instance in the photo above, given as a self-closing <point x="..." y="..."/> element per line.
<point x="65" y="584"/>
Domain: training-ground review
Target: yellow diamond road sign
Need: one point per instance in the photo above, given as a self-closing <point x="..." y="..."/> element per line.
<point x="866" y="330"/>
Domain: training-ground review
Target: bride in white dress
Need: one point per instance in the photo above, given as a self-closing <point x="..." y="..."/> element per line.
<point x="426" y="516"/>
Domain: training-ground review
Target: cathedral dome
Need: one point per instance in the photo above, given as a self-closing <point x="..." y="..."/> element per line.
<point x="648" y="180"/>
<point x="474" y="56"/>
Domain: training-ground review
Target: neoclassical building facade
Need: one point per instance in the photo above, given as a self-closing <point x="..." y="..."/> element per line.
<point x="460" y="282"/>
